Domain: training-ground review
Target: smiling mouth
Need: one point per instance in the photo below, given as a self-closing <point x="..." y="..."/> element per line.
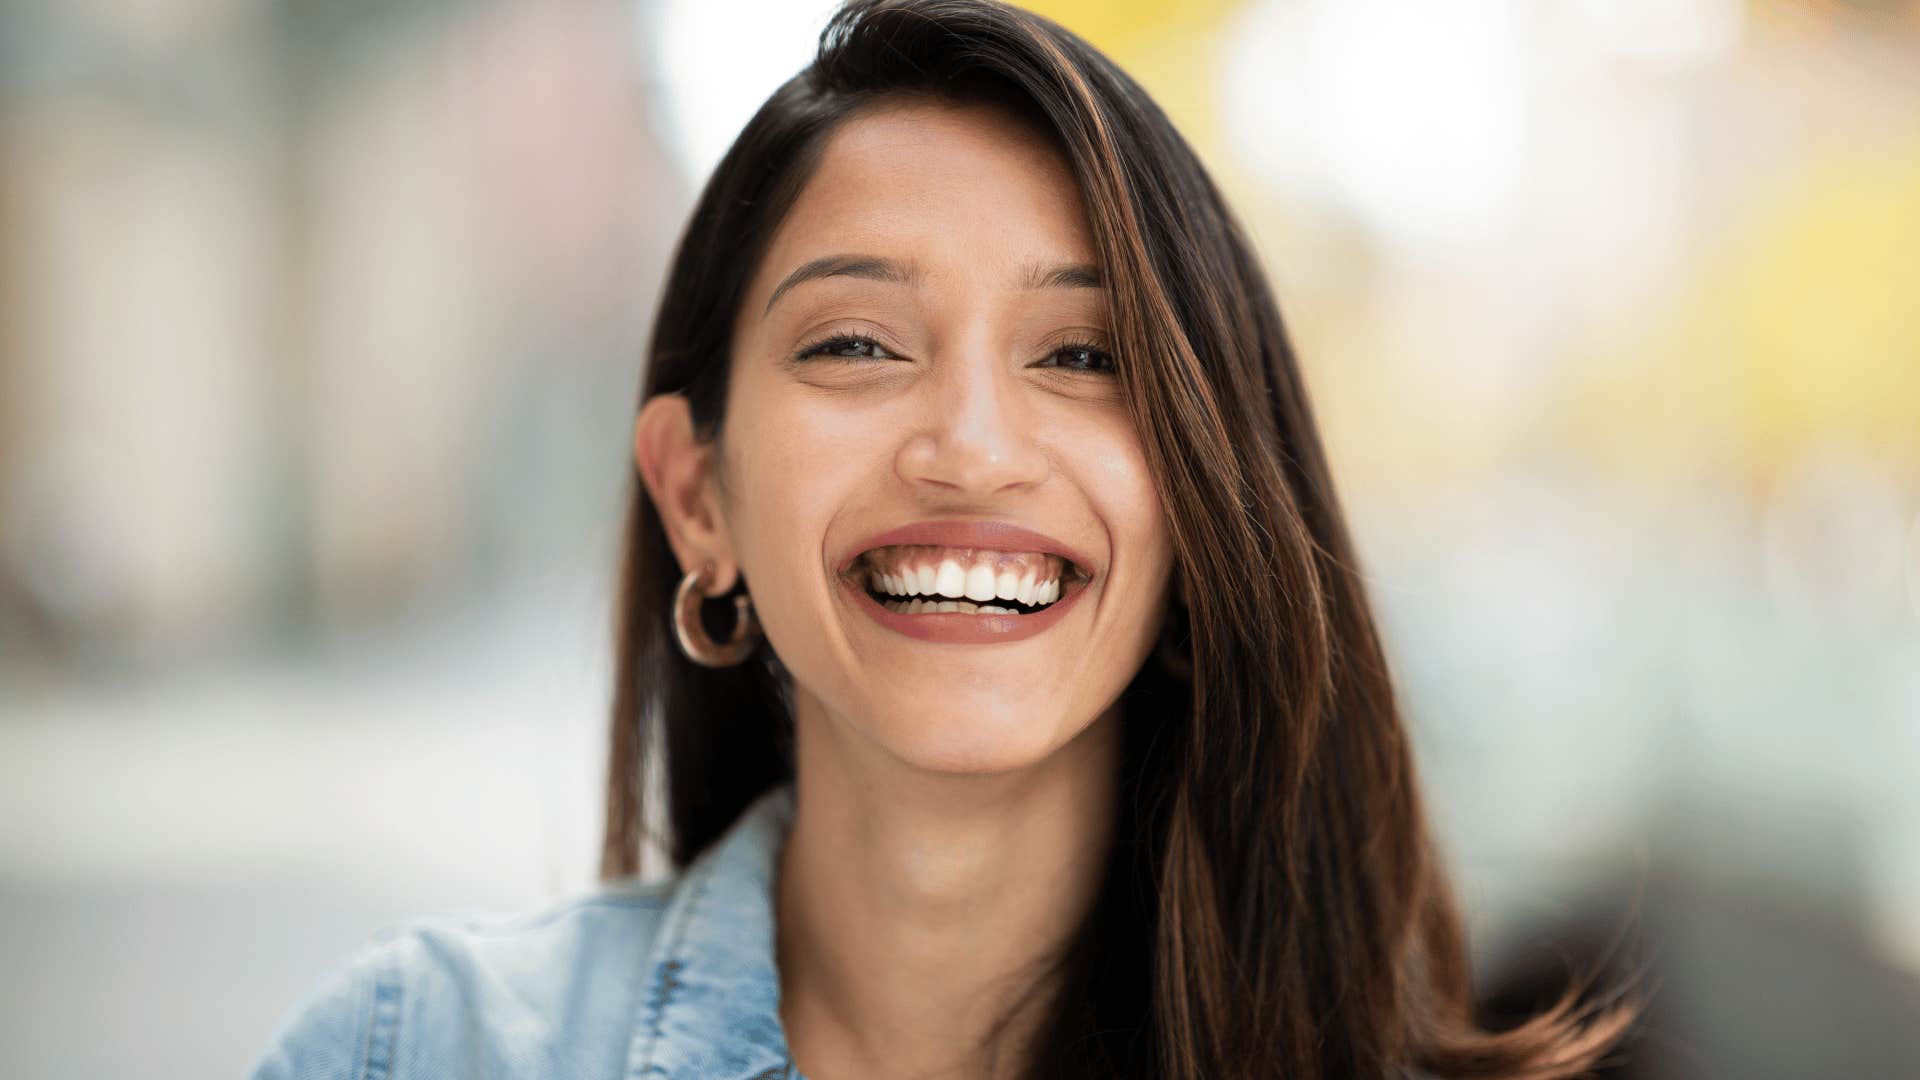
<point x="920" y="579"/>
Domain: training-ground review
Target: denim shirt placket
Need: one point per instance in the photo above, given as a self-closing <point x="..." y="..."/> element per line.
<point x="711" y="1011"/>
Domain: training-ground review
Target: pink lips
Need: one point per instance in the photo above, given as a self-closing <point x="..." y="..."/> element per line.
<point x="953" y="627"/>
<point x="983" y="534"/>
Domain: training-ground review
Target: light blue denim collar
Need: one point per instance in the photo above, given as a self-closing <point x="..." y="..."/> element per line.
<point x="712" y="1010"/>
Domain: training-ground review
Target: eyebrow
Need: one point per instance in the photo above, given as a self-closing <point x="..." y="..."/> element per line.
<point x="871" y="267"/>
<point x="896" y="272"/>
<point x="1065" y="276"/>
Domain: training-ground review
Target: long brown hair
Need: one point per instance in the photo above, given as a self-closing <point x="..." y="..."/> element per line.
<point x="1274" y="905"/>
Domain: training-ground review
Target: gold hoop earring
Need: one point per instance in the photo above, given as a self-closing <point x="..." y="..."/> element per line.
<point x="692" y="634"/>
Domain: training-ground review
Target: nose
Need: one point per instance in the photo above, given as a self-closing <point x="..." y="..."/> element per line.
<point x="978" y="440"/>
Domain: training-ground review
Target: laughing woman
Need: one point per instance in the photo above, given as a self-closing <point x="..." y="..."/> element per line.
<point x="992" y="646"/>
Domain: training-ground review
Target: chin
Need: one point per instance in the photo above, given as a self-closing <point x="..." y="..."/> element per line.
<point x="970" y="736"/>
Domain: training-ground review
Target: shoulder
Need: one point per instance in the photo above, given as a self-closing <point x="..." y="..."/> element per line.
<point x="550" y="992"/>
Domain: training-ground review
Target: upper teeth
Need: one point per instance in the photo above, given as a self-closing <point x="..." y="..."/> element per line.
<point x="1028" y="579"/>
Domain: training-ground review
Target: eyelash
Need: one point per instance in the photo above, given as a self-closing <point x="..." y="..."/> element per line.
<point x="840" y="341"/>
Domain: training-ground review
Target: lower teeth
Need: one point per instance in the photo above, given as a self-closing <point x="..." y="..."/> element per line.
<point x="932" y="607"/>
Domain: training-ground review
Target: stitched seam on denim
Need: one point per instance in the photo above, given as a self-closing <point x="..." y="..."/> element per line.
<point x="383" y="1032"/>
<point x="666" y="981"/>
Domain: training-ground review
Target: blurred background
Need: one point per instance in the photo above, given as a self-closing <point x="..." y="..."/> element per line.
<point x="320" y="333"/>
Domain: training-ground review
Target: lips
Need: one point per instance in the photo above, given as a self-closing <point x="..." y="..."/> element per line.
<point x="878" y="572"/>
<point x="997" y="535"/>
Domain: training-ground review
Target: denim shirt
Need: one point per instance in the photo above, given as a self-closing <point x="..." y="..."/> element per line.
<point x="671" y="979"/>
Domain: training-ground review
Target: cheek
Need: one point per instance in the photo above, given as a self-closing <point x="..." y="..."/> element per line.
<point x="792" y="469"/>
<point x="1106" y="464"/>
<point x="1127" y="495"/>
<point x="799" y="463"/>
<point x="1120" y="483"/>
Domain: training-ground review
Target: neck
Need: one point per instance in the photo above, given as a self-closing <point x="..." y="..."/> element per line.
<point x="918" y="909"/>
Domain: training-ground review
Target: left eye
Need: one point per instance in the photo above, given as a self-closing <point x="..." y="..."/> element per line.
<point x="1081" y="358"/>
<point x="834" y="346"/>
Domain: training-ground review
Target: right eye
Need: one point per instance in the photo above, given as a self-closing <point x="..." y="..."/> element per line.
<point x="838" y="345"/>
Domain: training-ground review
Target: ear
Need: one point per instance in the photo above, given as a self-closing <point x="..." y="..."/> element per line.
<point x="678" y="471"/>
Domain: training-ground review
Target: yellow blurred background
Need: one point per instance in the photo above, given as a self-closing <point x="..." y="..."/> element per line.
<point x="320" y="328"/>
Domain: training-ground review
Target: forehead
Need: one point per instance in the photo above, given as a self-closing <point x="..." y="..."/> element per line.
<point x="968" y="190"/>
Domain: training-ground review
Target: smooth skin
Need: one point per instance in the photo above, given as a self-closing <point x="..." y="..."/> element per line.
<point x="955" y="802"/>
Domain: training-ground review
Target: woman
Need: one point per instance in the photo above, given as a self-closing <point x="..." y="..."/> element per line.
<point x="991" y="637"/>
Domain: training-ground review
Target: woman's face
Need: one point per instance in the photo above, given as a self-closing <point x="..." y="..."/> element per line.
<point x="958" y="389"/>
